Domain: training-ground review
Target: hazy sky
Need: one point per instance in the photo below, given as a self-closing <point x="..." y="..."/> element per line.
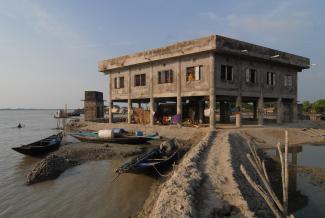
<point x="49" y="49"/>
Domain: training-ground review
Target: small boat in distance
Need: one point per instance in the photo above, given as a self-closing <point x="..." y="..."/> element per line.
<point x="42" y="146"/>
<point x="154" y="161"/>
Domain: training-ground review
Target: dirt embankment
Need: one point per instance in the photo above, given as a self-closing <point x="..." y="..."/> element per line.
<point x="268" y="137"/>
<point x="208" y="182"/>
<point x="74" y="154"/>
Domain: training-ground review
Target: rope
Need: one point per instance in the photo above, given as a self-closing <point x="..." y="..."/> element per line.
<point x="163" y="175"/>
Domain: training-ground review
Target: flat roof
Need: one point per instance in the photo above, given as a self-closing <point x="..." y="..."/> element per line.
<point x="212" y="43"/>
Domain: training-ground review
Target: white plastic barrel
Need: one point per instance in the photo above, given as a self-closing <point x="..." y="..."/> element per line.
<point x="106" y="133"/>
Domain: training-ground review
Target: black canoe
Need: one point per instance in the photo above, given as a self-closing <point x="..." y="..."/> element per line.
<point x="119" y="140"/>
<point x="153" y="161"/>
<point x="42" y="146"/>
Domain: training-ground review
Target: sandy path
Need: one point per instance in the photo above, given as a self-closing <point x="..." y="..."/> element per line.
<point x="220" y="194"/>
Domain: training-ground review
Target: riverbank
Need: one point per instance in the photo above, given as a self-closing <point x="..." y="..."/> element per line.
<point x="207" y="181"/>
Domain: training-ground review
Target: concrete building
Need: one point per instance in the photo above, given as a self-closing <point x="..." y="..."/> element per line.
<point x="205" y="73"/>
<point x="93" y="105"/>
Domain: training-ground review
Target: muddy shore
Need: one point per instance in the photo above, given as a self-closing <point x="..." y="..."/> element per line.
<point x="74" y="154"/>
<point x="206" y="182"/>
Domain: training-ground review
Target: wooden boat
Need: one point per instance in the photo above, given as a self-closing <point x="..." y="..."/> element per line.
<point x="122" y="137"/>
<point x="42" y="146"/>
<point x="153" y="161"/>
<point x="119" y="139"/>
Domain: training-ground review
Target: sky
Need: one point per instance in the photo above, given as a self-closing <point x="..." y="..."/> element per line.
<point x="49" y="50"/>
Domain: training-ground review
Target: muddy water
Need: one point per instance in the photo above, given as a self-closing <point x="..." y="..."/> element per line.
<point x="313" y="195"/>
<point x="82" y="191"/>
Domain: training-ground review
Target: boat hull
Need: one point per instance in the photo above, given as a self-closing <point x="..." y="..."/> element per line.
<point x="119" y="140"/>
<point x="41" y="147"/>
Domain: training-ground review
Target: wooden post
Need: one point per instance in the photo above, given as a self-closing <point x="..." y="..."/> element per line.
<point x="212" y="97"/>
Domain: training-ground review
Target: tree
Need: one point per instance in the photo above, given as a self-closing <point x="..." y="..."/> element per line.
<point x="305" y="106"/>
<point x="318" y="106"/>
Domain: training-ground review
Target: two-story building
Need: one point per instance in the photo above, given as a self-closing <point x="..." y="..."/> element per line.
<point x="207" y="71"/>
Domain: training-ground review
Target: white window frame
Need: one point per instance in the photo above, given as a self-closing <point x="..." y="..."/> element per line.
<point x="271" y="78"/>
<point x="248" y="75"/>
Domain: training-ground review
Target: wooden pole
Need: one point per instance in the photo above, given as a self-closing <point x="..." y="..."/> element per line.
<point x="286" y="175"/>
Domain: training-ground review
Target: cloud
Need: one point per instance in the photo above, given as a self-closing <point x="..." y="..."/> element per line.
<point x="282" y="18"/>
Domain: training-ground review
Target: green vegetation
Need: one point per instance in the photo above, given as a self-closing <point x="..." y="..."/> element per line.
<point x="316" y="107"/>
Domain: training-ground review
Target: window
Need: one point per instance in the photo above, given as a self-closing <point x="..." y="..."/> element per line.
<point x="270" y="80"/>
<point x="140" y="80"/>
<point x="251" y="76"/>
<point x="119" y="82"/>
<point x="226" y="73"/>
<point x="165" y="76"/>
<point x="193" y="73"/>
<point x="288" y="81"/>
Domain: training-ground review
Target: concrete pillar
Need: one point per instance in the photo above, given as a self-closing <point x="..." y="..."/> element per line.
<point x="110" y="112"/>
<point x="212" y="97"/>
<point x="151" y="97"/>
<point x="238" y="110"/>
<point x="254" y="110"/>
<point x="179" y="91"/>
<point x="279" y="107"/>
<point x="260" y="111"/>
<point x="110" y="102"/>
<point x="129" y="97"/>
<point x="201" y="111"/>
<point x="294" y="110"/>
<point x="293" y="170"/>
<point x="129" y="110"/>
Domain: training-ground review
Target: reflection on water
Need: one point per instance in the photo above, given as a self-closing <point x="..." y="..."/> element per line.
<point x="82" y="191"/>
<point x="305" y="198"/>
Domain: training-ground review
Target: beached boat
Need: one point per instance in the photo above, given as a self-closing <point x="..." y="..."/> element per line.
<point x="42" y="146"/>
<point x="119" y="136"/>
<point x="153" y="161"/>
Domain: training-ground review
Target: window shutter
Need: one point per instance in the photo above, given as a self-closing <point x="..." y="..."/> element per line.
<point x="273" y="74"/>
<point x="197" y="73"/>
<point x="247" y="75"/>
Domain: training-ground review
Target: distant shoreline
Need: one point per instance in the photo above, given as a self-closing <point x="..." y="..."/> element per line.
<point x="28" y="109"/>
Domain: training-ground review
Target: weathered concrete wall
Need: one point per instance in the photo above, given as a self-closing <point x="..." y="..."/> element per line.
<point x="240" y="86"/>
<point x="91" y="111"/>
<point x="199" y="87"/>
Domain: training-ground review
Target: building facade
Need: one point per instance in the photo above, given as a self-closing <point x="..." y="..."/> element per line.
<point x="213" y="69"/>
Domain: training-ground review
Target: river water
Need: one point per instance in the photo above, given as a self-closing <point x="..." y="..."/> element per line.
<point x="310" y="197"/>
<point x="82" y="191"/>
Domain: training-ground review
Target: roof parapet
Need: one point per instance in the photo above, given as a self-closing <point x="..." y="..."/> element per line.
<point x="216" y="43"/>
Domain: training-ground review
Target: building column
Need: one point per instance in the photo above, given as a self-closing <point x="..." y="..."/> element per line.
<point x="151" y="97"/>
<point x="110" y="112"/>
<point x="260" y="111"/>
<point x="212" y="97"/>
<point x="238" y="110"/>
<point x="279" y="108"/>
<point x="129" y="97"/>
<point x="129" y="110"/>
<point x="110" y="101"/>
<point x="201" y="111"/>
<point x="294" y="110"/>
<point x="179" y="92"/>
<point x="254" y="110"/>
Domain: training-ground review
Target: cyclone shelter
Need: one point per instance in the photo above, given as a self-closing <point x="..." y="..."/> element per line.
<point x="207" y="80"/>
